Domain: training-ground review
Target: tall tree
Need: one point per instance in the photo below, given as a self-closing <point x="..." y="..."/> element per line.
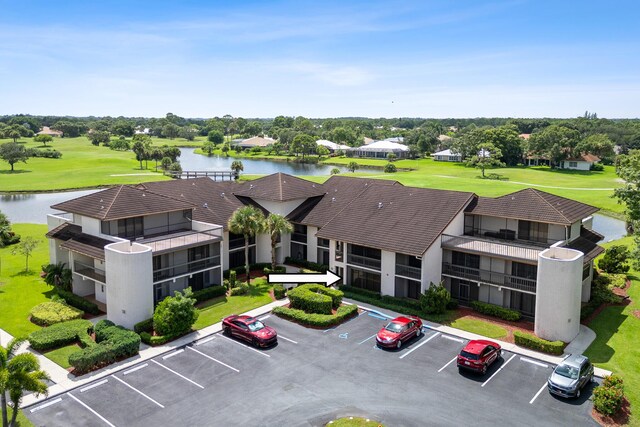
<point x="208" y="147"/>
<point x="556" y="142"/>
<point x="237" y="166"/>
<point x="247" y="221"/>
<point x="7" y="236"/>
<point x="598" y="144"/>
<point x="216" y="137"/>
<point x="98" y="137"/>
<point x="275" y="226"/>
<point x="507" y="140"/>
<point x="628" y="169"/>
<point x="26" y="248"/>
<point x="488" y="155"/>
<point x="12" y="153"/>
<point x="43" y="139"/>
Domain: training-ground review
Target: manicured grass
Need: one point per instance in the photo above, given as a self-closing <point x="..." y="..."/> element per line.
<point x="617" y="345"/>
<point x="61" y="355"/>
<point x="22" y="420"/>
<point x="479" y="327"/>
<point x="353" y="422"/>
<point x="218" y="308"/>
<point x="20" y="291"/>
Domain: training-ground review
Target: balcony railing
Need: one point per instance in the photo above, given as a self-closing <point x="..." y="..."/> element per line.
<point x="505" y="234"/>
<point x="299" y="237"/>
<point x="177" y="240"/>
<point x="89" y="271"/>
<point x="363" y="261"/>
<point x="493" y="248"/>
<point x="186" y="268"/>
<point x="408" y="271"/>
<point x="490" y="277"/>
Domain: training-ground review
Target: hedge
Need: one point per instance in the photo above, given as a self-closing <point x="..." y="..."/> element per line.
<point x="48" y="313"/>
<point x="114" y="342"/>
<point x="315" y="298"/>
<point x="243" y="289"/>
<point x="279" y="291"/>
<point x="307" y="264"/>
<point x="153" y="340"/>
<point x="143" y="326"/>
<point x="79" y="302"/>
<point x="496" y="311"/>
<point x="209" y="293"/>
<point x="61" y="334"/>
<point x="315" y="319"/>
<point x="535" y="343"/>
<point x="243" y="270"/>
<point x="280" y="269"/>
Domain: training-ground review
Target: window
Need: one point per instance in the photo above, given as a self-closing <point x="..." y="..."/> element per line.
<point x="365" y="251"/>
<point x="298" y="251"/>
<point x="299" y="233"/>
<point x="526" y="271"/>
<point x="465" y="260"/>
<point x="131" y="228"/>
<point x="365" y="279"/>
<point x="323" y="243"/>
<point x="463" y="291"/>
<point x="586" y="271"/>
<point x="323" y="256"/>
<point x="533" y="231"/>
<point x="573" y="164"/>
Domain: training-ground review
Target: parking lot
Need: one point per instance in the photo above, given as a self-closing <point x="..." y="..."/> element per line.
<point x="313" y="376"/>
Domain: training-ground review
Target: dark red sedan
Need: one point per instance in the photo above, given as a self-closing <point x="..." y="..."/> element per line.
<point x="478" y="355"/>
<point x="398" y="331"/>
<point x="249" y="329"/>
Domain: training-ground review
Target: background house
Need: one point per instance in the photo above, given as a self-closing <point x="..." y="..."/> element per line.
<point x="446" y="156"/>
<point x="47" y="131"/>
<point x="582" y="162"/>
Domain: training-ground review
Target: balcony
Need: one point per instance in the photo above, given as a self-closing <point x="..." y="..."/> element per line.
<point x="299" y="237"/>
<point x="89" y="271"/>
<point x="184" y="269"/>
<point x="363" y="261"/>
<point x="493" y="248"/>
<point x="504" y="234"/>
<point x="408" y="271"/>
<point x="181" y="240"/>
<point x="490" y="277"/>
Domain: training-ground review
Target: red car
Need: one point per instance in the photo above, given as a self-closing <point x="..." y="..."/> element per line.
<point x="249" y="329"/>
<point x="398" y="331"/>
<point x="478" y="355"/>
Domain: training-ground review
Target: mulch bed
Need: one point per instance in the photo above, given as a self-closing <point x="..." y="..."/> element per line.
<point x="522" y="325"/>
<point x="621" y="292"/>
<point x="621" y="418"/>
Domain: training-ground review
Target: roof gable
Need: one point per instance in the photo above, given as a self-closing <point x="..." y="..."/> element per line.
<point x="280" y="187"/>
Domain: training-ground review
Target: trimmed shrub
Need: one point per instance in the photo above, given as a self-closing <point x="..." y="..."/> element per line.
<point x="314" y="298"/>
<point x="435" y="299"/>
<point x="114" y="342"/>
<point x="79" y="302"/>
<point x="144" y="326"/>
<point x="617" y="280"/>
<point x="48" y="313"/>
<point x="243" y="270"/>
<point x="390" y="168"/>
<point x="315" y="319"/>
<point x="613" y="381"/>
<point x="452" y="304"/>
<point x="209" y="293"/>
<point x="307" y="264"/>
<point x="601" y="291"/>
<point x="61" y="334"/>
<point x="175" y="315"/>
<point x="279" y="291"/>
<point x="596" y="167"/>
<point x="614" y="260"/>
<point x="607" y="400"/>
<point x="535" y="343"/>
<point x="280" y="269"/>
<point x="496" y="311"/>
<point x="243" y="289"/>
<point x="100" y="328"/>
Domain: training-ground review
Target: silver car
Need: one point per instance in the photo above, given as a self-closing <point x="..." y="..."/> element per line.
<point x="570" y="376"/>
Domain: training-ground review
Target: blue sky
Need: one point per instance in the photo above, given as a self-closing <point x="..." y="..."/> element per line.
<point x="320" y="58"/>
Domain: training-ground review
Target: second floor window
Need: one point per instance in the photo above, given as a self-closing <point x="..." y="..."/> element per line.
<point x="131" y="228"/>
<point x="465" y="260"/>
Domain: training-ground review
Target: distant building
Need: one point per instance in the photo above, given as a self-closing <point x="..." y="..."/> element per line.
<point x="380" y="150"/>
<point x="332" y="146"/>
<point x="446" y="156"/>
<point x="582" y="162"/>
<point x="256" y="141"/>
<point x="142" y="131"/>
<point x="47" y="131"/>
<point x="525" y="135"/>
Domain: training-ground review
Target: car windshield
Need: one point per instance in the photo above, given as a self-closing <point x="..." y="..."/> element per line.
<point x="393" y="327"/>
<point x="255" y="326"/>
<point x="468" y="355"/>
<point x="567" y="371"/>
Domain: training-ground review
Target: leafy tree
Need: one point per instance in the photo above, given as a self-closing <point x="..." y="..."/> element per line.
<point x="120" y="144"/>
<point x="188" y="133"/>
<point x="57" y="275"/>
<point x="507" y="140"/>
<point x="275" y="225"/>
<point x="175" y="167"/>
<point x="26" y="248"/>
<point x="335" y="171"/>
<point x="321" y="150"/>
<point x="170" y="131"/>
<point x="248" y="221"/>
<point x="628" y="169"/>
<point x="7" y="236"/>
<point x="391" y="157"/>
<point x="165" y="163"/>
<point x="12" y="152"/>
<point x="425" y="139"/>
<point x="468" y="144"/>
<point x="175" y="315"/>
<point x="43" y="139"/>
<point x="353" y="166"/>
<point x="216" y="137"/>
<point x="598" y="144"/>
<point x="302" y="124"/>
<point x="390" y="168"/>
<point x="285" y="137"/>
<point x="123" y="128"/>
<point x="98" y="137"/>
<point x="253" y="129"/>
<point x="172" y="152"/>
<point x="304" y="144"/>
<point x="556" y="142"/>
<point x="18" y="373"/>
<point x="208" y="147"/>
<point x="225" y="149"/>
<point x="614" y="260"/>
<point x="283" y="122"/>
<point x="237" y="166"/>
<point x="141" y="147"/>
<point x="16" y="131"/>
<point x="69" y="129"/>
<point x="434" y="300"/>
<point x="488" y="156"/>
<point x="342" y="135"/>
<point x="157" y="154"/>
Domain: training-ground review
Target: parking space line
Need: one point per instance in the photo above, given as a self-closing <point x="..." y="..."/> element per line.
<point x="367" y="339"/>
<point x="172" y="354"/>
<point x="213" y="358"/>
<point x="419" y="345"/>
<point x="137" y="368"/>
<point x="91" y="410"/>
<point x="287" y="339"/>
<point x="178" y="374"/>
<point x="206" y="340"/>
<point x="448" y="363"/>
<point x="452" y="338"/>
<point x="499" y="369"/>
<point x="376" y="315"/>
<point x="44" y="405"/>
<point x="89" y="387"/>
<point x="534" y="362"/>
<point x="264" y="317"/>
<point x="245" y="346"/>
<point x="538" y="393"/>
<point x="137" y="391"/>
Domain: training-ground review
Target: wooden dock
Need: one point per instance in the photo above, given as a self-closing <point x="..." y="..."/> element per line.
<point x="215" y="175"/>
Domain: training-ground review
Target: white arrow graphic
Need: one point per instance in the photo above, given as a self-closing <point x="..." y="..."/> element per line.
<point x="328" y="278"/>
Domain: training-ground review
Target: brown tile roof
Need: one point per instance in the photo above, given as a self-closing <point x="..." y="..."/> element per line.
<point x="75" y="240"/>
<point x="396" y="218"/>
<point x="533" y="205"/>
<point x="280" y="187"/>
<point x="590" y="158"/>
<point x="123" y="201"/>
<point x="340" y="191"/>
<point x="589" y="248"/>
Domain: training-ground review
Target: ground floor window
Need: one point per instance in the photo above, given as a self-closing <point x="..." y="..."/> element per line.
<point x="160" y="292"/>
<point x="298" y="251"/>
<point x="236" y="258"/>
<point x="364" y="279"/>
<point x="197" y="281"/>
<point x="524" y="303"/>
<point x="463" y="290"/>
<point x="407" y="288"/>
<point x="323" y="256"/>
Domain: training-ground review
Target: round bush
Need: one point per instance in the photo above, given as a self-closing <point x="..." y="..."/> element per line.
<point x="48" y="313"/>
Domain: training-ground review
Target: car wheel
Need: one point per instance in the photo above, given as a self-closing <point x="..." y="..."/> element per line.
<point x="419" y="332"/>
<point x="578" y="394"/>
<point x="592" y="380"/>
<point x="226" y="331"/>
<point x="255" y="343"/>
<point x="399" y="344"/>
<point x="484" y="369"/>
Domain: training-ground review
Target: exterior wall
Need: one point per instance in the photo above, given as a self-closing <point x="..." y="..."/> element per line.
<point x="581" y="166"/>
<point x="101" y="292"/>
<point x="224" y="259"/>
<point x="280" y="208"/>
<point x="588" y="223"/>
<point x="263" y="248"/>
<point x="56" y="254"/>
<point x="432" y="258"/>
<point x="388" y="273"/>
<point x="558" y="295"/>
<point x="312" y="244"/>
<point x="558" y="232"/>
<point x="492" y="223"/>
<point x="129" y="275"/>
<point x="90" y="226"/>
<point x="575" y="230"/>
<point x="586" y="285"/>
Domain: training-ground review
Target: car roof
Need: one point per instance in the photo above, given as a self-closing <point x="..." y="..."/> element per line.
<point x="476" y="346"/>
<point x="402" y="320"/>
<point x="575" y="360"/>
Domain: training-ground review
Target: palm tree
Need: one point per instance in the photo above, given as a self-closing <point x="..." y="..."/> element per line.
<point x="237" y="166"/>
<point x="57" y="275"/>
<point x="248" y="221"/>
<point x="276" y="225"/>
<point x="18" y="373"/>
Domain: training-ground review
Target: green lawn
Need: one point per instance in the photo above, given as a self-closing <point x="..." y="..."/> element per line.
<point x="353" y="422"/>
<point x="22" y="420"/>
<point x="479" y="327"/>
<point x="215" y="310"/>
<point x="61" y="355"/>
<point x="20" y="291"/>
<point x="617" y="345"/>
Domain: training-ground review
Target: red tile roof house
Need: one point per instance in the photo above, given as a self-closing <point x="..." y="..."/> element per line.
<point x="131" y="246"/>
<point x="47" y="131"/>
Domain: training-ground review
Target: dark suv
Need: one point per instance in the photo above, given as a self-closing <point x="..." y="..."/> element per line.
<point x="570" y="376"/>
